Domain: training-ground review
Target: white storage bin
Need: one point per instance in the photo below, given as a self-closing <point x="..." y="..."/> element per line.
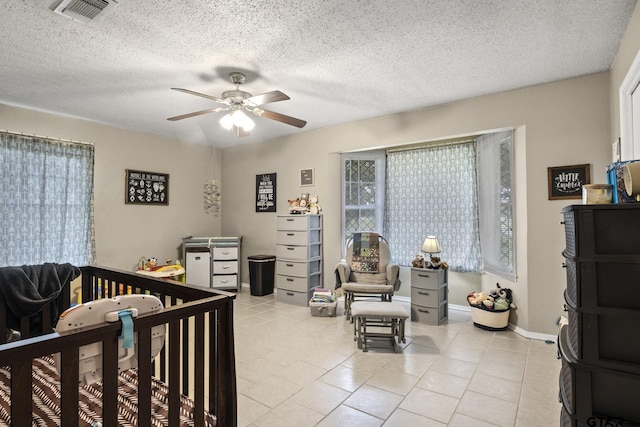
<point x="323" y="309"/>
<point x="490" y="320"/>
<point x="225" y="253"/>
<point x="223" y="267"/>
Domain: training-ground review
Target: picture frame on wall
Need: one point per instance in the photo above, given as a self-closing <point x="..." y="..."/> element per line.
<point x="565" y="182"/>
<point x="266" y="192"/>
<point x="146" y="188"/>
<point x="306" y="177"/>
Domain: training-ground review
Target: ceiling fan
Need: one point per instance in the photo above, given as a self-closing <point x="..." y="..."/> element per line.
<point x="236" y="102"/>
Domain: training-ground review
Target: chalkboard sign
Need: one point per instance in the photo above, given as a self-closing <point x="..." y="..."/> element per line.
<point x="565" y="182"/>
<point x="146" y="188"/>
<point x="266" y="192"/>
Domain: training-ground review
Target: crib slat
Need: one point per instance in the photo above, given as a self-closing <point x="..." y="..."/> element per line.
<point x="225" y="371"/>
<point x="45" y="316"/>
<point x="3" y="322"/>
<point x="110" y="382"/>
<point x="198" y="369"/>
<point x="21" y="392"/>
<point x="185" y="356"/>
<point x="174" y="374"/>
<point x="69" y="360"/>
<point x="144" y="378"/>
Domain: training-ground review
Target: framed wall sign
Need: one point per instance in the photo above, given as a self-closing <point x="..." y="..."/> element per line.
<point x="266" y="192"/>
<point x="565" y="182"/>
<point x="306" y="177"/>
<point x="146" y="188"/>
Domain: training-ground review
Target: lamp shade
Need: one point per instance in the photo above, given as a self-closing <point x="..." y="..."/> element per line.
<point x="431" y="245"/>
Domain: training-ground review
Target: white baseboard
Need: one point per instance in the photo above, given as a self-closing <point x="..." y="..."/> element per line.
<point x="516" y="329"/>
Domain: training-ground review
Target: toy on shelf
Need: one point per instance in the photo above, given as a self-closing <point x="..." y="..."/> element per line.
<point x="150" y="267"/>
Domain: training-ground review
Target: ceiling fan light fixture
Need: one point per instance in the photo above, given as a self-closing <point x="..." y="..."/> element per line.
<point x="237" y="118"/>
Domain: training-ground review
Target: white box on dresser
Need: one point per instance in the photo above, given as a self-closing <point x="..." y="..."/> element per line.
<point x="298" y="257"/>
<point x="429" y="296"/>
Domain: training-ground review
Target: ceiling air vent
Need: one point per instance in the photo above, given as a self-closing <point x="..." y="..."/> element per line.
<point x="84" y="10"/>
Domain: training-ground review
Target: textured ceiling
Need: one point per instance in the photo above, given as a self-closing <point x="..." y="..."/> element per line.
<point x="339" y="61"/>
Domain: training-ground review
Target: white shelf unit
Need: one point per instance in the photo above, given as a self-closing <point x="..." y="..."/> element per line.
<point x="298" y="258"/>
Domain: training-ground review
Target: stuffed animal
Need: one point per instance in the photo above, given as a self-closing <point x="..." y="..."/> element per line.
<point x="436" y="263"/>
<point x="314" y="207"/>
<point x="418" y="261"/>
<point x="476" y="298"/>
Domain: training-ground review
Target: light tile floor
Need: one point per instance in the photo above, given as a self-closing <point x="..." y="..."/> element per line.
<point x="294" y="369"/>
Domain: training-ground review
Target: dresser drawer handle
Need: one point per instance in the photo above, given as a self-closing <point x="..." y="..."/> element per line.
<point x="289" y="265"/>
<point x="289" y="279"/>
<point x="291" y="234"/>
<point x="423" y="275"/>
<point x="291" y="249"/>
<point x="290" y="219"/>
<point x="290" y="294"/>
<point x="423" y="311"/>
<point x="423" y="293"/>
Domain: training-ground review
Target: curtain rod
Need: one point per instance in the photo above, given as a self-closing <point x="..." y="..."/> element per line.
<point x="433" y="144"/>
<point x="33" y="135"/>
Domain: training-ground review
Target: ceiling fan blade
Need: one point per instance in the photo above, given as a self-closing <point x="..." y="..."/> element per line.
<point x="190" y="92"/>
<point x="268" y="97"/>
<point x="197" y="113"/>
<point x="280" y="117"/>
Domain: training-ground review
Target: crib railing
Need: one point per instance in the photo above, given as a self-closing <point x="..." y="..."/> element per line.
<point x="198" y="358"/>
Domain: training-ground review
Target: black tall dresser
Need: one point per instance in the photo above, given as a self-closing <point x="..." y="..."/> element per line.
<point x="600" y="346"/>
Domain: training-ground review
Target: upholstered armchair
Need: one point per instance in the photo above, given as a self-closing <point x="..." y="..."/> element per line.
<point x="380" y="282"/>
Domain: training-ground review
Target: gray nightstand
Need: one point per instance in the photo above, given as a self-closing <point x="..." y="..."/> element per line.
<point x="429" y="302"/>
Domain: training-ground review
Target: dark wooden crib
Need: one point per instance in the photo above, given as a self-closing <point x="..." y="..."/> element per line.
<point x="197" y="360"/>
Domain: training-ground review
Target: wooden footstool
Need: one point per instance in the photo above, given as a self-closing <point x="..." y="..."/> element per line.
<point x="381" y="315"/>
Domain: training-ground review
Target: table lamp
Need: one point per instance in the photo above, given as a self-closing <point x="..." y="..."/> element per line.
<point x="430" y="246"/>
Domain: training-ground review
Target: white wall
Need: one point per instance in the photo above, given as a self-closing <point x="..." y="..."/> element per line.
<point x="124" y="233"/>
<point x="561" y="123"/>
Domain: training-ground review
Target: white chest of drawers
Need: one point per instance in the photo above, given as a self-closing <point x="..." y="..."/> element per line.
<point x="298" y="257"/>
<point x="429" y="299"/>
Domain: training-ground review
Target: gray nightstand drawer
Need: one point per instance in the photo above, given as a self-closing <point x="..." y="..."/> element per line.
<point x="429" y="315"/>
<point x="294" y="297"/>
<point x="298" y="284"/>
<point x="427" y="279"/>
<point x="424" y="297"/>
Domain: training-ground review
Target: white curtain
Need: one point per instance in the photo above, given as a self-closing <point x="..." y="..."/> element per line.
<point x="432" y="191"/>
<point x="46" y="201"/>
<point x="496" y="203"/>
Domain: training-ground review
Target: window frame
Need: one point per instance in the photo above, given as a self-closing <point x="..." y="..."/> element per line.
<point x="380" y="163"/>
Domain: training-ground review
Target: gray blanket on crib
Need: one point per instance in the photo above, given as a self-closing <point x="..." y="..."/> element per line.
<point x="28" y="288"/>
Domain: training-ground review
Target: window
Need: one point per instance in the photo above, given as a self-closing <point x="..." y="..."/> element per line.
<point x="431" y="190"/>
<point x="459" y="191"/>
<point x="363" y="192"/>
<point x="495" y="184"/>
<point x="45" y="201"/>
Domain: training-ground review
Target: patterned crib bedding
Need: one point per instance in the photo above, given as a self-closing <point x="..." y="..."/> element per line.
<point x="46" y="398"/>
